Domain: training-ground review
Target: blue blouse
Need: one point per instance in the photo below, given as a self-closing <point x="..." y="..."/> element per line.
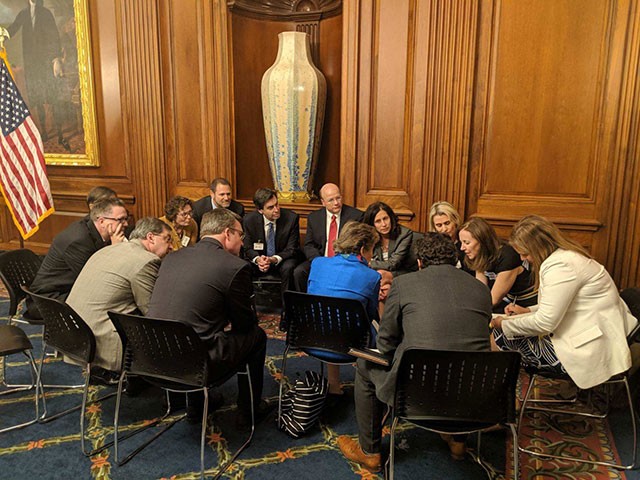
<point x="346" y="276"/>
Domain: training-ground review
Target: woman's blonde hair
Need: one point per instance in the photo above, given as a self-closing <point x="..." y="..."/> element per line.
<point x="444" y="208"/>
<point x="490" y="246"/>
<point x="538" y="238"/>
<point x="354" y="236"/>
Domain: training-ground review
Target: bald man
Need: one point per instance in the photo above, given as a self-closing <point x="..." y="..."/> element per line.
<point x="319" y="228"/>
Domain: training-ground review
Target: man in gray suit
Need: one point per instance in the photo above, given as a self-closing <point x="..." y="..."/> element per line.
<point x="119" y="278"/>
<point x="437" y="307"/>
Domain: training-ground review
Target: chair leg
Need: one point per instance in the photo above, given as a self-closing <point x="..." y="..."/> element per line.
<point x="83" y="409"/>
<point x="282" y="377"/>
<point x="392" y="448"/>
<point x="574" y="459"/>
<point x="514" y="440"/>
<point x="224" y="468"/>
<point x="13" y="388"/>
<point x="117" y="439"/>
<point x="33" y="367"/>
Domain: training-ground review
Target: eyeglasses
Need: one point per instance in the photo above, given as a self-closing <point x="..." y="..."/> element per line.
<point x="239" y="232"/>
<point x="186" y="214"/>
<point x="166" y="238"/>
<point x="119" y="220"/>
<point x="334" y="200"/>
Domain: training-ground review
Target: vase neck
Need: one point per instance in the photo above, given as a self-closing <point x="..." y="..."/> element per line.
<point x="293" y="47"/>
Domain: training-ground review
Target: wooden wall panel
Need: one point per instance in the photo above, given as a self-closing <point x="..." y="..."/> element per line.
<point x="415" y="63"/>
<point x="547" y="96"/>
<point x="190" y="100"/>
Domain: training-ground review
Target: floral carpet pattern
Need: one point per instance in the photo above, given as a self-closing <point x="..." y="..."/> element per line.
<point x="52" y="450"/>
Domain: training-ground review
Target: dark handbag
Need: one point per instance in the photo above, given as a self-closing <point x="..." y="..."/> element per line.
<point x="302" y="405"/>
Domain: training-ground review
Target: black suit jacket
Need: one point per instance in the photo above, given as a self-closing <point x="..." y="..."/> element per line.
<point x="68" y="253"/>
<point x="203" y="206"/>
<point x="287" y="234"/>
<point x="316" y="237"/>
<point x="206" y="287"/>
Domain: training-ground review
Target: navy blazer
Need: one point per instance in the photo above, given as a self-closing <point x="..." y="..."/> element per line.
<point x="316" y="238"/>
<point x="287" y="235"/>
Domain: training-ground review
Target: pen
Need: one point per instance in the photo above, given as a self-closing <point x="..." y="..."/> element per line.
<point x="513" y="302"/>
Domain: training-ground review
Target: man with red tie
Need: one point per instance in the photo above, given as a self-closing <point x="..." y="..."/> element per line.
<point x="323" y="227"/>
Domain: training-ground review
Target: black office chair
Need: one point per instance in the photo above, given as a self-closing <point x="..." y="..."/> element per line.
<point x="13" y="340"/>
<point x="631" y="296"/>
<point x="452" y="392"/>
<point x="67" y="332"/>
<point x="324" y="328"/>
<point x="18" y="268"/>
<point x="170" y="355"/>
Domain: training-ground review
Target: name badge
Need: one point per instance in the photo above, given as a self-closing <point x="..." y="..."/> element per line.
<point x="258" y="246"/>
<point x="185" y="241"/>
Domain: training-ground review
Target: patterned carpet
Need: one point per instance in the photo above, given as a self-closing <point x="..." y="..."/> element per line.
<point x="52" y="450"/>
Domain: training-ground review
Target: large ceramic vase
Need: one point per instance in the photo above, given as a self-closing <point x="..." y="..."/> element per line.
<point x="293" y="98"/>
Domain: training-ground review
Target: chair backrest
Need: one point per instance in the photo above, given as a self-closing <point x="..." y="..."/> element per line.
<point x="326" y="323"/>
<point x="631" y="297"/>
<point x="64" y="329"/>
<point x="162" y="349"/>
<point x="18" y="268"/>
<point x="460" y="386"/>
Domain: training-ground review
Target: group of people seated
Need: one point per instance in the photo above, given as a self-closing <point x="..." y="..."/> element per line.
<point x="456" y="287"/>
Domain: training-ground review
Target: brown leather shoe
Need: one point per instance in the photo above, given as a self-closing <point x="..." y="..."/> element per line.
<point x="457" y="449"/>
<point x="352" y="450"/>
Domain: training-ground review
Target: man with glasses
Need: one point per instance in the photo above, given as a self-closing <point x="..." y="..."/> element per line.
<point x="119" y="277"/>
<point x="323" y="228"/>
<point x="72" y="247"/>
<point x="219" y="197"/>
<point x="209" y="287"/>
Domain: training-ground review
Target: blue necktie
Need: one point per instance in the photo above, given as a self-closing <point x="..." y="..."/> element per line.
<point x="271" y="240"/>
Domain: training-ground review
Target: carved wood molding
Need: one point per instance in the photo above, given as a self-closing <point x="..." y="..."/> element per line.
<point x="287" y="10"/>
<point x="624" y="236"/>
<point x="448" y="44"/>
<point x="143" y="119"/>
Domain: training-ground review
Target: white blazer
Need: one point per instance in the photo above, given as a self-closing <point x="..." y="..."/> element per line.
<point x="580" y="309"/>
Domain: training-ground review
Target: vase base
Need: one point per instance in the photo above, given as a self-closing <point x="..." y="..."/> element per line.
<point x="295" y="197"/>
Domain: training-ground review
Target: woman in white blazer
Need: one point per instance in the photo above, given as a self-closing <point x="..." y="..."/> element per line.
<point x="580" y="323"/>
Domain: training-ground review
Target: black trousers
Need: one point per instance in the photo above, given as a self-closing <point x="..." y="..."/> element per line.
<point x="232" y="351"/>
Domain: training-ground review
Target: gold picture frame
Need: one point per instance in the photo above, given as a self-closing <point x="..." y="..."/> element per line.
<point x="62" y="102"/>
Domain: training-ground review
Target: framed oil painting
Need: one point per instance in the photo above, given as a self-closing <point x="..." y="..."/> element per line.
<point x="50" y="56"/>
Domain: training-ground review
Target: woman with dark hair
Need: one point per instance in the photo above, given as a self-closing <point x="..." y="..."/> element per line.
<point x="393" y="252"/>
<point x="179" y="216"/>
<point x="347" y="275"/>
<point x="497" y="265"/>
<point x="580" y="324"/>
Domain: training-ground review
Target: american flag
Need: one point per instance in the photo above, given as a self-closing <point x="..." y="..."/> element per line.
<point x="23" y="174"/>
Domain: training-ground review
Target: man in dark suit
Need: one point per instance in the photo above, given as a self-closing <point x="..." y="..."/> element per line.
<point x="322" y="225"/>
<point x="437" y="307"/>
<point x="208" y="287"/>
<point x="219" y="197"/>
<point x="272" y="241"/>
<point x="72" y="247"/>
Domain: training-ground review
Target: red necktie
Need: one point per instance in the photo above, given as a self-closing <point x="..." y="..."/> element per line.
<point x="333" y="234"/>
